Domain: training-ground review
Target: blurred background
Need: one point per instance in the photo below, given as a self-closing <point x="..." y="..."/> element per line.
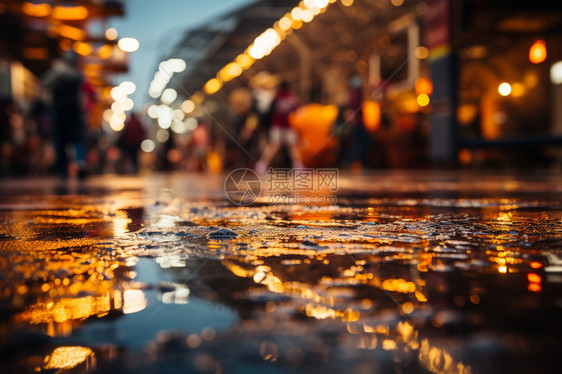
<point x="181" y="85"/>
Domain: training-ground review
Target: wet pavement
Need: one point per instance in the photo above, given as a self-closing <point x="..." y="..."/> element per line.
<point x="413" y="272"/>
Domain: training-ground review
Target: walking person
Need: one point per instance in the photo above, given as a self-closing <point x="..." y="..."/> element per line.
<point x="280" y="133"/>
<point x="64" y="84"/>
<point x="131" y="140"/>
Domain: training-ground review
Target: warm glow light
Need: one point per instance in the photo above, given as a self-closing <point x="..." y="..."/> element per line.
<point x="133" y="300"/>
<point x="83" y="49"/>
<point x="421" y="52"/>
<point x="70" y="13"/>
<point x="537" y="52"/>
<point x="307" y="16"/>
<point x="296" y="13"/>
<point x="423" y="100"/>
<point x="67" y="357"/>
<point x="556" y="73"/>
<point x="424" y="86"/>
<point x="111" y="33"/>
<point x="188" y="106"/>
<point x="517" y="89"/>
<point x="535" y="264"/>
<point x="212" y="86"/>
<point x="116" y="123"/>
<point x="347" y="2"/>
<point x="105" y="51"/>
<point x="534" y="287"/>
<point x="128" y="44"/>
<point x="397" y="2"/>
<point x="230" y="71"/>
<point x="245" y="61"/>
<point x="504" y="89"/>
<point x="107" y="114"/>
<point x="534" y="278"/>
<point x="71" y="32"/>
<point x="36" y="10"/>
<point x="285" y="23"/>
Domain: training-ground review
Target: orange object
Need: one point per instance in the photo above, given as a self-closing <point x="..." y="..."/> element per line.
<point x="537" y="52"/>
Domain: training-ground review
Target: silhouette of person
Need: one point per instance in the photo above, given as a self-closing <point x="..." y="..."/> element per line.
<point x="280" y="132"/>
<point x="64" y="84"/>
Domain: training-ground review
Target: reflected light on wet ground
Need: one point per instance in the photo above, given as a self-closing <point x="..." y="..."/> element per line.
<point x="436" y="273"/>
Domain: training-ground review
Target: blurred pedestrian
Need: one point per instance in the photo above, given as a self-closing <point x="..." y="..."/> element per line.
<point x="280" y="131"/>
<point x="64" y="83"/>
<point x="131" y="140"/>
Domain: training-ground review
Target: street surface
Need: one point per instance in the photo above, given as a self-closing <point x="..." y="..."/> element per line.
<point x="408" y="272"/>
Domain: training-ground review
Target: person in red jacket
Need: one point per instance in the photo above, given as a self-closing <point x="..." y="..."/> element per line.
<point x="280" y="132"/>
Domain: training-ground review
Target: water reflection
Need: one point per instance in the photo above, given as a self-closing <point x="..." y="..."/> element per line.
<point x="414" y="284"/>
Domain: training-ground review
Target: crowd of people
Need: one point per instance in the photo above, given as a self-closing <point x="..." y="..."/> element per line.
<point x="51" y="135"/>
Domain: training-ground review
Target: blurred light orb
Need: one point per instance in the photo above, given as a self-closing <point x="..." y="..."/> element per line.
<point x="165" y="118"/>
<point x="504" y="89"/>
<point x="116" y="123"/>
<point x="111" y="33"/>
<point x="128" y="44"/>
<point x="152" y="111"/>
<point x="212" y="86"/>
<point x="537" y="52"/>
<point x="347" y="2"/>
<point x="107" y="114"/>
<point x="154" y="92"/>
<point x="397" y="2"/>
<point x="517" y="89"/>
<point x="117" y="108"/>
<point x="148" y="145"/>
<point x="421" y="52"/>
<point x="179" y="127"/>
<point x="178" y="115"/>
<point x="162" y="135"/>
<point x="556" y="73"/>
<point x="296" y="13"/>
<point x="191" y="123"/>
<point x="177" y="65"/>
<point x="423" y="100"/>
<point x="128" y="87"/>
<point x="127" y="104"/>
<point x="168" y="96"/>
<point x="117" y="93"/>
<point x="307" y="15"/>
<point x="188" y="106"/>
<point x="285" y="23"/>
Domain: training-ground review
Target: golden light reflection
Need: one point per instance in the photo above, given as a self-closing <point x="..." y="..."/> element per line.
<point x="69" y="357"/>
<point x="70" y="13"/>
<point x="133" y="301"/>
